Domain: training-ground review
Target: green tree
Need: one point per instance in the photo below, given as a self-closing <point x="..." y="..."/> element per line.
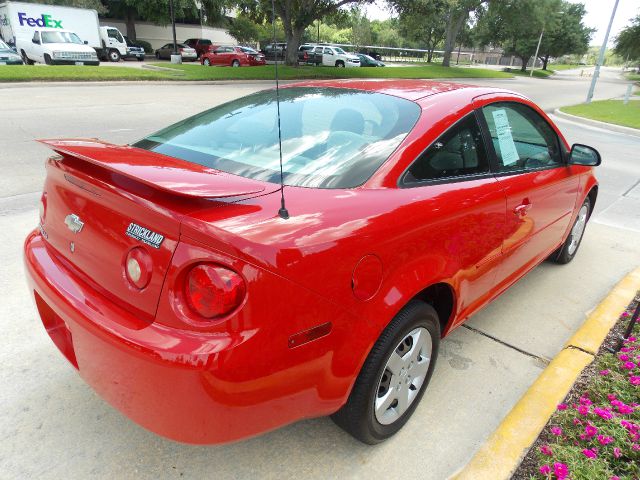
<point x="455" y="15"/>
<point x="515" y="25"/>
<point x="566" y="34"/>
<point x="628" y="41"/>
<point x="296" y="16"/>
<point x="94" y="4"/>
<point x="423" y="23"/>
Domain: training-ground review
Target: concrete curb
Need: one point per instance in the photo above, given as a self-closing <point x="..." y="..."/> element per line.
<point x="503" y="451"/>
<point x="595" y="123"/>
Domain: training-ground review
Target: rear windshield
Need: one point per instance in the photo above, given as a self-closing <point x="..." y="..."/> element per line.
<point x="331" y="137"/>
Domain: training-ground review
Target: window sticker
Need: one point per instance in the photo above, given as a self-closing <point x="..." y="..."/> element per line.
<point x="505" y="140"/>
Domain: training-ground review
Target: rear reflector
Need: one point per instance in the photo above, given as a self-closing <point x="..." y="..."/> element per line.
<point x="309" y="335"/>
<point x="213" y="291"/>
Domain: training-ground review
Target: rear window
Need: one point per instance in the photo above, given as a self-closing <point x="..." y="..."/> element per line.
<point x="331" y="137"/>
<point x="205" y="42"/>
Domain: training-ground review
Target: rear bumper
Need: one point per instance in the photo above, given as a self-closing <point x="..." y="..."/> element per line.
<point x="192" y="387"/>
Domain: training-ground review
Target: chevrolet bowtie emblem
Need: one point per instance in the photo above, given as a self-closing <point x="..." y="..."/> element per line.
<point x="74" y="223"/>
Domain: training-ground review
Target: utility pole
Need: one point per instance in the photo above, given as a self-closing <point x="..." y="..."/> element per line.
<point x="600" y="61"/>
<point x="535" y="57"/>
<point x="173" y="26"/>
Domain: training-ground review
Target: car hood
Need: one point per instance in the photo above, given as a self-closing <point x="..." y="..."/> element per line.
<point x="8" y="54"/>
<point x="70" y="47"/>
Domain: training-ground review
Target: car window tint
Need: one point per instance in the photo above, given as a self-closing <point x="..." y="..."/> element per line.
<point x="522" y="139"/>
<point x="328" y="50"/>
<point x="460" y="151"/>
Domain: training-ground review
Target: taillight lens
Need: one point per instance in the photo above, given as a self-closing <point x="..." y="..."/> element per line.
<point x="213" y="291"/>
<point x="42" y="208"/>
<point x="138" y="267"/>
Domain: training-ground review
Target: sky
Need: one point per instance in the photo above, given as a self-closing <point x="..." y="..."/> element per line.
<point x="598" y="15"/>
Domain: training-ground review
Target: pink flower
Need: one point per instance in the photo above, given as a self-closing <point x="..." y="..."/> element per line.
<point x="562" y="406"/>
<point x="583" y="409"/>
<point x="634" y="380"/>
<point x="624" y="314"/>
<point x="629" y="365"/>
<point x="604" y="440"/>
<point x="626" y="349"/>
<point x="617" y="452"/>
<point x="625" y="409"/>
<point x="635" y="447"/>
<point x="605" y="372"/>
<point x="577" y="422"/>
<point x="584" y="400"/>
<point x="623" y="358"/>
<point x="611" y="397"/>
<point x="603" y="413"/>
<point x="557" y="431"/>
<point x="589" y="453"/>
<point x="631" y="339"/>
<point x="561" y="470"/>
<point x="615" y="477"/>
<point x="631" y="427"/>
<point x="545" y="450"/>
<point x="590" y="431"/>
<point x="545" y="469"/>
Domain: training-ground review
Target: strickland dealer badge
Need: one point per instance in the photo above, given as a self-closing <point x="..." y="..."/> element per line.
<point x="145" y="235"/>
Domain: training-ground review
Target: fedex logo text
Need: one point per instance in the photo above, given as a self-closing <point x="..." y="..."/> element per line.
<point x="43" y="21"/>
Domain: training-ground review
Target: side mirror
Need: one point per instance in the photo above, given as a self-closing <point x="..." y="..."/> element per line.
<point x="86" y="42"/>
<point x="584" y="155"/>
<point x="35" y="41"/>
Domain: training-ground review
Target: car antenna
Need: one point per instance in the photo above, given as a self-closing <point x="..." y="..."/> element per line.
<point x="283" y="212"/>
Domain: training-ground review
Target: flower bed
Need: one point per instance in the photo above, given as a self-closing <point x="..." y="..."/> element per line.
<point x="595" y="432"/>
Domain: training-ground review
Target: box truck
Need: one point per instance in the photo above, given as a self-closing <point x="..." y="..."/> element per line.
<point x="24" y="25"/>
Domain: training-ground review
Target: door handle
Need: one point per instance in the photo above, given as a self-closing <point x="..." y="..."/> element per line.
<point x="522" y="209"/>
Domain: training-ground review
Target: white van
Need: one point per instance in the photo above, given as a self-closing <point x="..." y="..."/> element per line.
<point x="20" y="21"/>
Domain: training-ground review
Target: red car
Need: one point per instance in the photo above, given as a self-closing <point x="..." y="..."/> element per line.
<point x="225" y="55"/>
<point x="209" y="305"/>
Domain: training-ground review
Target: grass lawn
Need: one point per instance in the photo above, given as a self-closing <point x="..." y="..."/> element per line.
<point x="27" y="73"/>
<point x="197" y="72"/>
<point x="538" y="73"/>
<point x="610" y="111"/>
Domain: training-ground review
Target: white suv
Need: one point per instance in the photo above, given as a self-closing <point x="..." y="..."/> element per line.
<point x="335" y="57"/>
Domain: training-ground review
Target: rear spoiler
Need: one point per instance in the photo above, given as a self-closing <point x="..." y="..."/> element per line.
<point x="168" y="174"/>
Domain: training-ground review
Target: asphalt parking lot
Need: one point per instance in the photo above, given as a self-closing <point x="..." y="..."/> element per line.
<point x="54" y="426"/>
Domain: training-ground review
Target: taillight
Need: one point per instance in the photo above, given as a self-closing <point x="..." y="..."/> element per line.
<point x="306" y="56"/>
<point x="181" y="50"/>
<point x="138" y="267"/>
<point x="212" y="291"/>
<point x="42" y="207"/>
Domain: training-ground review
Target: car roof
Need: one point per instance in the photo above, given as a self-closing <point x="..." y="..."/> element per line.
<point x="411" y="89"/>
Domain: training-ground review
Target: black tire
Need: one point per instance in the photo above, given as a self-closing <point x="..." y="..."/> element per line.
<point x="140" y="59"/>
<point x="340" y="64"/>
<point x="358" y="416"/>
<point x="47" y="59"/>
<point x="25" y="59"/>
<point x="235" y="63"/>
<point x="568" y="249"/>
<point x="114" y="55"/>
<point x="206" y="62"/>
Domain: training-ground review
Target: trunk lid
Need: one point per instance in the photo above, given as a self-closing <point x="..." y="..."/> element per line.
<point x="104" y="200"/>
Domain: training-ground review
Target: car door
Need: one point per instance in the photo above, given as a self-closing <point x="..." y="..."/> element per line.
<point x="328" y="57"/>
<point x="220" y="57"/>
<point x="460" y="214"/>
<point x="35" y="48"/>
<point x="541" y="188"/>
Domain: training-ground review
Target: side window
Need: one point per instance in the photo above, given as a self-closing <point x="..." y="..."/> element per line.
<point x="327" y="51"/>
<point x="459" y="151"/>
<point x="522" y="139"/>
<point x="36" y="36"/>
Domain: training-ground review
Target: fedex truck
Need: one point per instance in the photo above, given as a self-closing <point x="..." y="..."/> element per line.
<point x="23" y="25"/>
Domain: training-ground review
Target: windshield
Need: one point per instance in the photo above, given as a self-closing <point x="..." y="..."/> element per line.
<point x="4" y="46"/>
<point x="331" y="137"/>
<point x="60" y="37"/>
<point x="248" y="50"/>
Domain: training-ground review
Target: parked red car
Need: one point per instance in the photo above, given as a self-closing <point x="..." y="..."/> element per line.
<point x="170" y="276"/>
<point x="256" y="59"/>
<point x="226" y="55"/>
